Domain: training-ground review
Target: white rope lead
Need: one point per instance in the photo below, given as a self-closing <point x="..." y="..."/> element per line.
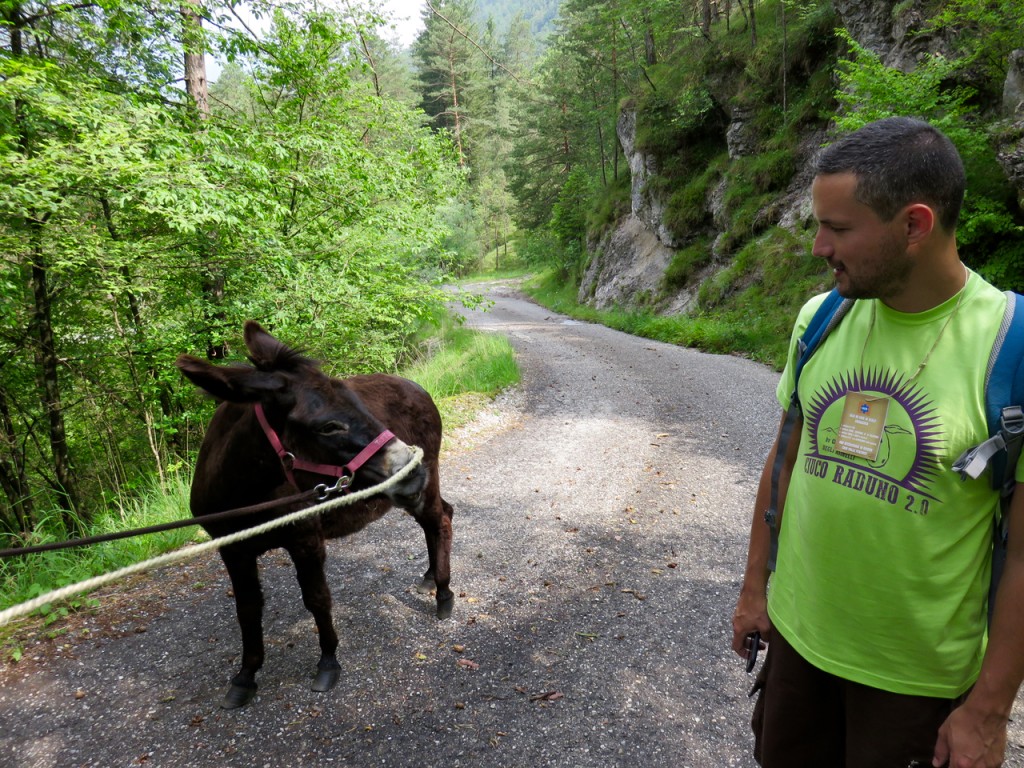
<point x="23" y="609"/>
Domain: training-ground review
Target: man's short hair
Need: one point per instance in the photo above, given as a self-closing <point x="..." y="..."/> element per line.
<point x="899" y="161"/>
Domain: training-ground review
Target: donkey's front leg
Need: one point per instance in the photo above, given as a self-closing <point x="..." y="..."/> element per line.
<point x="245" y="581"/>
<point x="309" y="558"/>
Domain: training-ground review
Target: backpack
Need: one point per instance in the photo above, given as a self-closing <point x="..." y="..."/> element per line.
<point x="1004" y="409"/>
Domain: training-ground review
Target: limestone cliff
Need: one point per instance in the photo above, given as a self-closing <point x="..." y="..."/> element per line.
<point x="628" y="264"/>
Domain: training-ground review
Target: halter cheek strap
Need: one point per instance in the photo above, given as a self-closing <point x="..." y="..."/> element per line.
<point x="289" y="462"/>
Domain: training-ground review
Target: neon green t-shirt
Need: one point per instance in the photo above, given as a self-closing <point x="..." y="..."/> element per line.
<point x="884" y="552"/>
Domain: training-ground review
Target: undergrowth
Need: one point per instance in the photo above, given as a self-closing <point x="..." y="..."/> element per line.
<point x="746" y="309"/>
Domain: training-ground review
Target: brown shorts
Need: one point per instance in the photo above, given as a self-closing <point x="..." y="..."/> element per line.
<point x="807" y="718"/>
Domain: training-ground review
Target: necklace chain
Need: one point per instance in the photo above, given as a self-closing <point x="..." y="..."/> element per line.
<point x="942" y="330"/>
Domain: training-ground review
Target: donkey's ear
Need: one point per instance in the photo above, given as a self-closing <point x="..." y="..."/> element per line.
<point x="269" y="354"/>
<point x="234" y="383"/>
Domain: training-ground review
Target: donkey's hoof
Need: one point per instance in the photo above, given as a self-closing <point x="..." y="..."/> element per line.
<point x="426" y="586"/>
<point x="238" y="696"/>
<point x="325" y="679"/>
<point x="444" y="606"/>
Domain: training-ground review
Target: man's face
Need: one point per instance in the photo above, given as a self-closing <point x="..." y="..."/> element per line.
<point x="868" y="256"/>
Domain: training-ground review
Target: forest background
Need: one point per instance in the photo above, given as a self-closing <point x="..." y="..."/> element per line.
<point x="333" y="185"/>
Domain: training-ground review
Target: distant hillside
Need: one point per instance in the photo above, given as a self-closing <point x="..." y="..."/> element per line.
<point x="540" y="14"/>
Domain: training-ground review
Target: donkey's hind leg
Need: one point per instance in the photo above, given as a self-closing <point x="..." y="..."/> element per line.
<point x="309" y="558"/>
<point x="436" y="520"/>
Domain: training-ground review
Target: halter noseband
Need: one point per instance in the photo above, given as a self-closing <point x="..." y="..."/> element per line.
<point x="345" y="474"/>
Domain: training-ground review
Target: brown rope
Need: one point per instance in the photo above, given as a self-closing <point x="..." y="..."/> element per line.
<point x="214" y="518"/>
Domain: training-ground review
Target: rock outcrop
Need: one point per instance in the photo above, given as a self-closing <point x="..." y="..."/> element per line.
<point x="628" y="264"/>
<point x="1011" y="142"/>
<point x="626" y="268"/>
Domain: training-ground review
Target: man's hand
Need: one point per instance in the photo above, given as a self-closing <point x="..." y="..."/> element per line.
<point x="971" y="738"/>
<point x="751" y="615"/>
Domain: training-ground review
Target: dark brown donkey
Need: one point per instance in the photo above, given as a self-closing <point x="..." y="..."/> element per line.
<point x="311" y="419"/>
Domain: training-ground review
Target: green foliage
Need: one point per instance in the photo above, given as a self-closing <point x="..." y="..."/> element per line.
<point x="535" y="19"/>
<point x="768" y="171"/>
<point x="449" y="70"/>
<point x="462" y="360"/>
<point x="722" y="333"/>
<point x="613" y="202"/>
<point x="692" y="108"/>
<point x="740" y="307"/>
<point x="989" y="234"/>
<point x="25" y="578"/>
<point x="988" y="229"/>
<point x="688" y="207"/>
<point x="984" y="34"/>
<point x="869" y="90"/>
<point x="307" y="201"/>
<point x="541" y="249"/>
<point x="458" y="251"/>
<point x="569" y="215"/>
<point x="685" y="264"/>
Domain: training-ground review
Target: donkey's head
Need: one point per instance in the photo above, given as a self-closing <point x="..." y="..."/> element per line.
<point x="317" y="419"/>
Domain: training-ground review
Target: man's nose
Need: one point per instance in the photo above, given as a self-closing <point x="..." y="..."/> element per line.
<point x="821" y="247"/>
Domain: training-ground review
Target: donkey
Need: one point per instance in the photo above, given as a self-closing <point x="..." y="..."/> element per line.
<point x="283" y="426"/>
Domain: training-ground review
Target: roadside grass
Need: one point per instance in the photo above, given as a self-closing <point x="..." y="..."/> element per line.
<point x="461" y="368"/>
<point x="509" y="273"/>
<point x="29" y="576"/>
<point x="753" y="331"/>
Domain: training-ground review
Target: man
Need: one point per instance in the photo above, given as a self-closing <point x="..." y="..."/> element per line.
<point x="876" y="616"/>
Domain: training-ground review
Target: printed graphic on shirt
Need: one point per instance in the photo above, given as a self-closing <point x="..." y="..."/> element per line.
<point x="862" y="428"/>
<point x="902" y="467"/>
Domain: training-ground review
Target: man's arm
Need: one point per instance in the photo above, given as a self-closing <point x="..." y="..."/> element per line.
<point x="974" y="735"/>
<point x="751" y="612"/>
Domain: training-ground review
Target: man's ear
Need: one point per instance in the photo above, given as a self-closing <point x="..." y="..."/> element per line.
<point x="920" y="222"/>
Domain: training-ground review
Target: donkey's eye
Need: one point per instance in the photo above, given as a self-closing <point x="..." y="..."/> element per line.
<point x="334" y="428"/>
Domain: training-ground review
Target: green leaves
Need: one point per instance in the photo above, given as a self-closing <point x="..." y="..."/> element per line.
<point x="305" y="201"/>
<point x="870" y="90"/>
<point x="987" y="233"/>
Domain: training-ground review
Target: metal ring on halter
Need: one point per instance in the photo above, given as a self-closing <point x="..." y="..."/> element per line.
<point x="288" y="461"/>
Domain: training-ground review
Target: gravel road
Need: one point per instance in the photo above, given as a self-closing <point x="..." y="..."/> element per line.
<point x="601" y="514"/>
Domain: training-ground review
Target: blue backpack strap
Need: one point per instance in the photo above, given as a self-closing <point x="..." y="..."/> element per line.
<point x="1004" y="391"/>
<point x="825" y="318"/>
<point x="1004" y="400"/>
<point x="1004" y="411"/>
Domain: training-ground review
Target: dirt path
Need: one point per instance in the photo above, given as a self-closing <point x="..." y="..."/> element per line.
<point x="600" y="526"/>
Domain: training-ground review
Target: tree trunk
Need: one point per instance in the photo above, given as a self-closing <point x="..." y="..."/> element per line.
<point x="650" y="52"/>
<point x="785" y="55"/>
<point x="195" y="62"/>
<point x="753" y="22"/>
<point x="456" y="115"/>
<point x="196" y="87"/>
<point x="49" y="384"/>
<point x="12" y="473"/>
<point x="41" y="321"/>
<point x="139" y="332"/>
<point x="615" y="100"/>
